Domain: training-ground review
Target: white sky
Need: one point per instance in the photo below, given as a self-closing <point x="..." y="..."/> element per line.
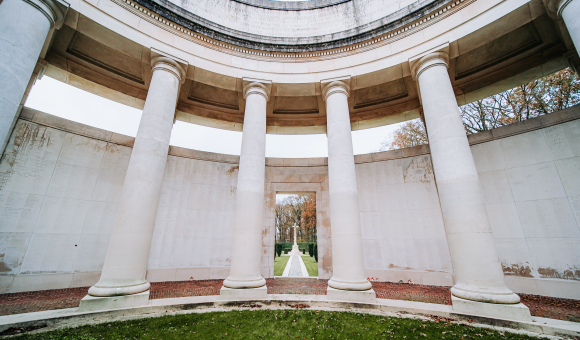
<point x="63" y="100"/>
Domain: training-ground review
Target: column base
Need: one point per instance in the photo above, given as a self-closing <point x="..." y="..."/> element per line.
<point x="243" y="294"/>
<point x="362" y="296"/>
<point x="517" y="312"/>
<point x="99" y="303"/>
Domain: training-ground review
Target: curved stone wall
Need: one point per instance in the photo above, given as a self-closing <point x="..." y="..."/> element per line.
<point x="60" y="182"/>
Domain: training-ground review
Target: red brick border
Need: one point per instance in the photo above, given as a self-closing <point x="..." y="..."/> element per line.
<point x="27" y="302"/>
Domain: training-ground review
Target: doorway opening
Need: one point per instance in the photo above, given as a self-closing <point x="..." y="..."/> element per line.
<point x="296" y="242"/>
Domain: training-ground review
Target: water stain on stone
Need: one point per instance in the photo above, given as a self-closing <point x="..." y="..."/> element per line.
<point x="568" y="274"/>
<point x="517" y="270"/>
<point x="392" y="266"/>
<point x="232" y="170"/>
<point x="419" y="169"/>
<point x="3" y="267"/>
<point x="27" y="137"/>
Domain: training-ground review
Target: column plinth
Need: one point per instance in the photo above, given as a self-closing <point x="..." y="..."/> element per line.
<point x="347" y="254"/>
<point x="245" y="268"/>
<point x="476" y="264"/>
<point x="125" y="264"/>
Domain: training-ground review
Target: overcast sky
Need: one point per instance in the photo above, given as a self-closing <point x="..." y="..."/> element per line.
<point x="59" y="99"/>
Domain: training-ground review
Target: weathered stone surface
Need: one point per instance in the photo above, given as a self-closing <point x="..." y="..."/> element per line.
<point x="401" y="224"/>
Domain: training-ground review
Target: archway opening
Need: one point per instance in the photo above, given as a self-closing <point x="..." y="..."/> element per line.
<point x="296" y="241"/>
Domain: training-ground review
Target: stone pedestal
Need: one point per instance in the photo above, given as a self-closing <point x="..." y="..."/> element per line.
<point x="125" y="264"/>
<point x="295" y="250"/>
<point x="362" y="296"/>
<point x="347" y="254"/>
<point x="476" y="266"/>
<point x="516" y="312"/>
<point x="99" y="303"/>
<point x="243" y="294"/>
<point x="245" y="268"/>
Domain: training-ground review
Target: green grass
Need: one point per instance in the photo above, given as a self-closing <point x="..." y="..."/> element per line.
<point x="280" y="264"/>
<point x="275" y="324"/>
<point x="311" y="265"/>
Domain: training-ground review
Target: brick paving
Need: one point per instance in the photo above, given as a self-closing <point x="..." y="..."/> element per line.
<point x="552" y="308"/>
<point x="27" y="302"/>
<point x="411" y="292"/>
<point x="17" y="303"/>
<point x="175" y="289"/>
<point x="290" y="285"/>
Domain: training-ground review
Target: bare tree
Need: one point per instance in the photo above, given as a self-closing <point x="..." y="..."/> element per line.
<point x="411" y="133"/>
<point x="539" y="97"/>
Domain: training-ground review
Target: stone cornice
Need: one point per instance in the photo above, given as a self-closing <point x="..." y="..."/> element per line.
<point x="377" y="33"/>
<point x="291" y="5"/>
<point x="532" y="124"/>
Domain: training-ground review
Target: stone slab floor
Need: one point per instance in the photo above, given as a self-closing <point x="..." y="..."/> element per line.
<point x="17" y="303"/>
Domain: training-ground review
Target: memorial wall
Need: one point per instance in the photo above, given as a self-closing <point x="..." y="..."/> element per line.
<point x="60" y="183"/>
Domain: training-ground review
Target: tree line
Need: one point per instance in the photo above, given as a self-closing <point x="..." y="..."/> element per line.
<point x="555" y="92"/>
<point x="300" y="211"/>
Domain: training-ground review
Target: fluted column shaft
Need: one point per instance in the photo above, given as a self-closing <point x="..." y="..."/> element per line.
<point x="126" y="260"/>
<point x="347" y="255"/>
<point x="24" y="26"/>
<point x="247" y="244"/>
<point x="476" y="265"/>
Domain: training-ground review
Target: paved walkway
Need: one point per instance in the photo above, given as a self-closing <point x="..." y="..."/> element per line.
<point x="17" y="303"/>
<point x="295" y="267"/>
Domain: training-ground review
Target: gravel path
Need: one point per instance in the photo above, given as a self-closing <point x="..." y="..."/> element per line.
<point x="295" y="269"/>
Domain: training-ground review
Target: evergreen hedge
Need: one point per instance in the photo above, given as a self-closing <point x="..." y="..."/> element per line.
<point x="316" y="252"/>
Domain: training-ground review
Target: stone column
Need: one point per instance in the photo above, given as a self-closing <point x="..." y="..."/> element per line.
<point x="126" y="261"/>
<point x="476" y="265"/>
<point x="347" y="254"/>
<point x="245" y="268"/>
<point x="567" y="10"/>
<point x="24" y="27"/>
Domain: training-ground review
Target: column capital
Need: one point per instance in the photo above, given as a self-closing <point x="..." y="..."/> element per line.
<point x="53" y="10"/>
<point x="335" y="85"/>
<point x="257" y="86"/>
<point x="555" y="7"/>
<point x="169" y="63"/>
<point x="429" y="60"/>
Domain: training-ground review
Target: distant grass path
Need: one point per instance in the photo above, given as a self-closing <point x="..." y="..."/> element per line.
<point x="279" y="265"/>
<point x="311" y="265"/>
<point x="275" y="324"/>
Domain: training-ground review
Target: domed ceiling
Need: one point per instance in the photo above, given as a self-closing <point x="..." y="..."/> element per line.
<point x="293" y="27"/>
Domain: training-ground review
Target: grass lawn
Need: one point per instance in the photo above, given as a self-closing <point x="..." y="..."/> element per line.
<point x="280" y="264"/>
<point x="275" y="324"/>
<point x="311" y="265"/>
